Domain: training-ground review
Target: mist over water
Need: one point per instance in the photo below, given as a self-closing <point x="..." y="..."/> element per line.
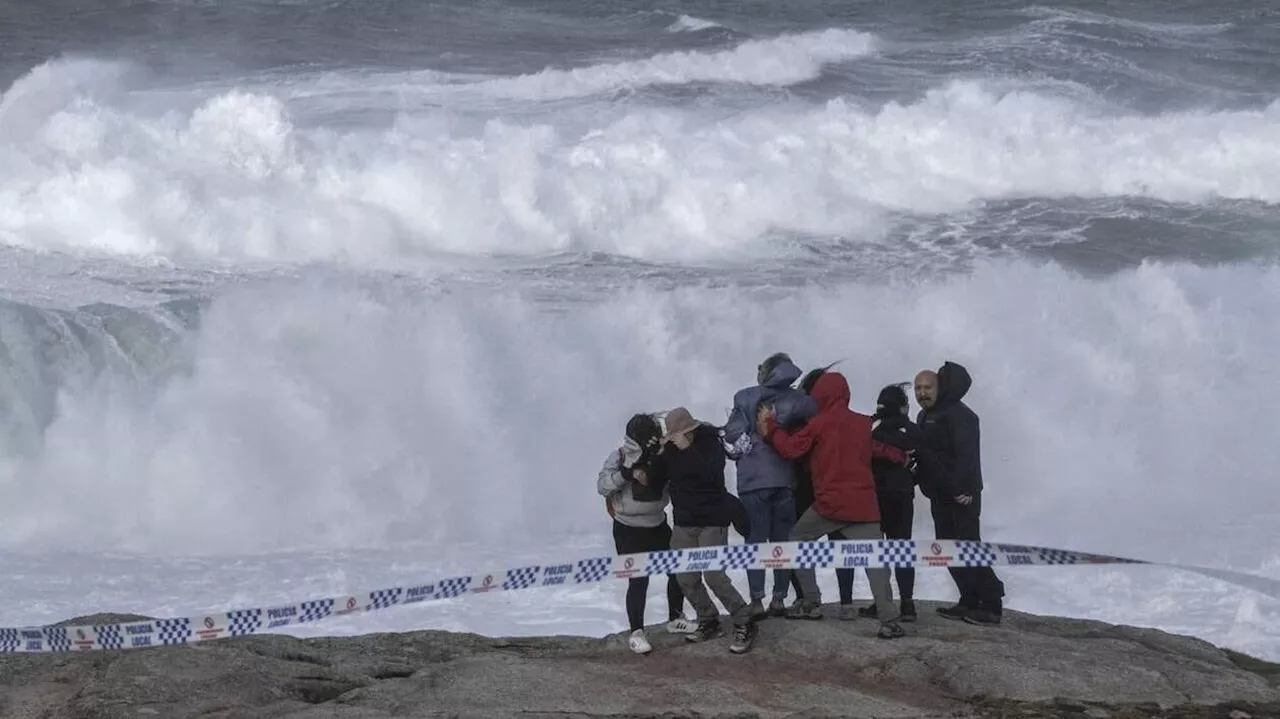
<point x="328" y="415"/>
<point x="382" y="296"/>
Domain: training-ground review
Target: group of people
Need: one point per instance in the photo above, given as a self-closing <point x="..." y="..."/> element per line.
<point x="808" y="466"/>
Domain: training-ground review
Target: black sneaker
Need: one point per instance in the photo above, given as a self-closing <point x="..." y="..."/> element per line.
<point x="955" y="611"/>
<point x="868" y="612"/>
<point x="744" y="635"/>
<point x="982" y="617"/>
<point x="709" y="629"/>
<point x="908" y="610"/>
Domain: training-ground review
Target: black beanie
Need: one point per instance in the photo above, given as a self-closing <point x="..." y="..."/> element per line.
<point x="643" y="428"/>
<point x="891" y="401"/>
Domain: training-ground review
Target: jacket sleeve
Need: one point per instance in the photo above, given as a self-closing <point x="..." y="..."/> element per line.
<point x="739" y="423"/>
<point x="965" y="439"/>
<point x="793" y="408"/>
<point x="610" y="479"/>
<point x="659" y="470"/>
<point x="882" y="450"/>
<point x="791" y="445"/>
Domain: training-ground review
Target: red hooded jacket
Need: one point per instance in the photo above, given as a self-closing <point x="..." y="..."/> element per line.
<point x="838" y="442"/>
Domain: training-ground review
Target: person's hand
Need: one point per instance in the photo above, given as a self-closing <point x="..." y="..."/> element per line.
<point x="640" y="476"/>
<point x="608" y="506"/>
<point x="764" y="413"/>
<point x="964" y="499"/>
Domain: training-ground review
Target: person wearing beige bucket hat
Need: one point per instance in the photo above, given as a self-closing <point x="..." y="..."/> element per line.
<point x="691" y="467"/>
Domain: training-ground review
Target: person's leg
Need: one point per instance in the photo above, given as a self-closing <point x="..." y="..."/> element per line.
<point x="675" y="599"/>
<point x="783" y="512"/>
<point x="803" y="500"/>
<point x="983" y="584"/>
<point x="718" y="580"/>
<point x="844" y="581"/>
<point x="897" y="512"/>
<point x="629" y="540"/>
<point x="759" y="509"/>
<point x="691" y="582"/>
<point x="637" y="592"/>
<point x="944" y="524"/>
<point x="877" y="577"/>
<point x="676" y="621"/>
<point x="810" y="526"/>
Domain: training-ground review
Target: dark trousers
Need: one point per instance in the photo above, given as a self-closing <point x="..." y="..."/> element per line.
<point x="630" y="540"/>
<point x="773" y="516"/>
<point x="897" y="513"/>
<point x="979" y="587"/>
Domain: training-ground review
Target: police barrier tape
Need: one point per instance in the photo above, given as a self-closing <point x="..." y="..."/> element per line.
<point x="816" y="554"/>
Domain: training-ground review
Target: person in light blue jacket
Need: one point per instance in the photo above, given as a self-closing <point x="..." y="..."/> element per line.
<point x="766" y="481"/>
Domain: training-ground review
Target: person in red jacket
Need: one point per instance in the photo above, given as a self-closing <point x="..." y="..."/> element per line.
<point x="839" y="446"/>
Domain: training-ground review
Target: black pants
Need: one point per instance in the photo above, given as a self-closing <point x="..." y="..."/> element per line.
<point x="897" y="512"/>
<point x="979" y="587"/>
<point x="630" y="540"/>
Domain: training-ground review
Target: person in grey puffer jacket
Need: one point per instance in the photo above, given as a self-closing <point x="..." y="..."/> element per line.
<point x="640" y="521"/>
<point x="766" y="481"/>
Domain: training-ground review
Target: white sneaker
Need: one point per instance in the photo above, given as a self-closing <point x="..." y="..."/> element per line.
<point x="681" y="626"/>
<point x="639" y="643"/>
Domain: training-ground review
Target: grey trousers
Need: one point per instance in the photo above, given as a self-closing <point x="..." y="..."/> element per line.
<point x="691" y="583"/>
<point x="812" y="525"/>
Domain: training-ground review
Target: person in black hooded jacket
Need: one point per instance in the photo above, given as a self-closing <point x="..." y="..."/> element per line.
<point x="896" y="484"/>
<point x="951" y="430"/>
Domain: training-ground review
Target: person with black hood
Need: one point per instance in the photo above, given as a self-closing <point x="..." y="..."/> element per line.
<point x="951" y="430"/>
<point x="896" y="483"/>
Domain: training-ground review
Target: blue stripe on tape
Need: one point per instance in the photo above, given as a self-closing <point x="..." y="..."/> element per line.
<point x="778" y="555"/>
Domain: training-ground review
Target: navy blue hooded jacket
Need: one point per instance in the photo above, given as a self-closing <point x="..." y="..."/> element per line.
<point x="760" y="466"/>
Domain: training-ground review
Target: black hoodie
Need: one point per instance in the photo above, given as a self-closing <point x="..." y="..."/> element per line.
<point x="695" y="479"/>
<point x="951" y="429"/>
<point x="896" y="430"/>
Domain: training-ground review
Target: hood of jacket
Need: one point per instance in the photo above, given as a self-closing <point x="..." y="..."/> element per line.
<point x="831" y="391"/>
<point x="953" y="383"/>
<point x="782" y="376"/>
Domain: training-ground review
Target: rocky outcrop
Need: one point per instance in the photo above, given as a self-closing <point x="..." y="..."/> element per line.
<point x="1030" y="666"/>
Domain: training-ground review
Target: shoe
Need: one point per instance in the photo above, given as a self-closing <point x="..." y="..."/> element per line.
<point x="891" y="630"/>
<point x="804" y="610"/>
<point x="908" y="610"/>
<point x="744" y="636"/>
<point x="680" y="625"/>
<point x="710" y="629"/>
<point x="848" y="613"/>
<point x="756" y="610"/>
<point x="955" y="611"/>
<point x="639" y="643"/>
<point x="869" y="611"/>
<point x="982" y="617"/>
<point x="777" y="608"/>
